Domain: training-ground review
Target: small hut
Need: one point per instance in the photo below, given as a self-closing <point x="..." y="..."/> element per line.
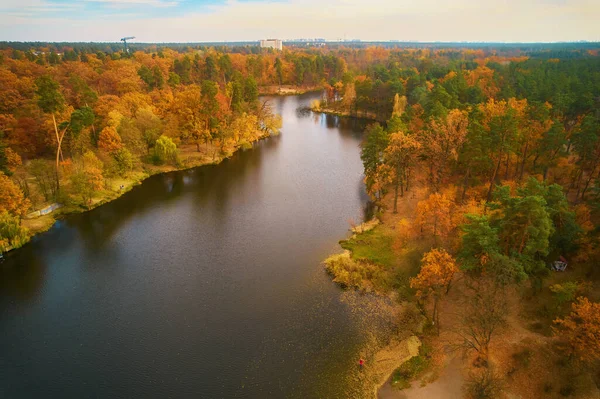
<point x="559" y="265"/>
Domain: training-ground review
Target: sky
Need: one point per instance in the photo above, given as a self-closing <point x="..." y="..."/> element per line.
<point x="248" y="20"/>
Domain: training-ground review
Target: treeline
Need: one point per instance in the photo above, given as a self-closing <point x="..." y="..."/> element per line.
<point x="505" y="153"/>
<point x="73" y="124"/>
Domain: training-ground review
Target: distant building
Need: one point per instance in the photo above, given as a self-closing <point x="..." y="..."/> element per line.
<point x="272" y="43"/>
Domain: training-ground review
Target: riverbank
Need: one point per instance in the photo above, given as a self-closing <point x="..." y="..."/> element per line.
<point x="189" y="157"/>
<point x="287" y="90"/>
<point x="335" y="111"/>
<point x="370" y="264"/>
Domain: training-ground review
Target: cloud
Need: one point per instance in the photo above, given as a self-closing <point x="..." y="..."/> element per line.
<point x="135" y="3"/>
<point x="233" y="20"/>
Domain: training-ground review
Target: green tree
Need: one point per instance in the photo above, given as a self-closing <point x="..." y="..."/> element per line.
<point x="165" y="150"/>
<point x="51" y="101"/>
<point x="279" y="70"/>
<point x="12" y="234"/>
<point x="373" y="147"/>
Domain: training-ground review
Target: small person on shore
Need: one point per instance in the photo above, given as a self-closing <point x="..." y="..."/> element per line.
<point x="361" y="363"/>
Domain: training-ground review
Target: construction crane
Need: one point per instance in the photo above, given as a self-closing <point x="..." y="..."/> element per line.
<point x="124" y="40"/>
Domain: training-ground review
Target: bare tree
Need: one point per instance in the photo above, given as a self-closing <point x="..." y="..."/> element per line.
<point x="484" y="313"/>
<point x="484" y="384"/>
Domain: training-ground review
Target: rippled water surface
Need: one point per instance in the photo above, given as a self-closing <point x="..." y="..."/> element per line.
<point x="205" y="283"/>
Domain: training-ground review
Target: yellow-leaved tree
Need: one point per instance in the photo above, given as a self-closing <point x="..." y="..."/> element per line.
<point x="580" y="330"/>
<point x="401" y="155"/>
<point x="433" y="281"/>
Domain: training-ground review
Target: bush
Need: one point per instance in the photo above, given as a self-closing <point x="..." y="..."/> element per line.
<point x="565" y="292"/>
<point x="523" y="358"/>
<point x="412" y="369"/>
<point x="165" y="150"/>
<point x="12" y="234"/>
<point x="123" y="161"/>
<point x="350" y="273"/>
<point x="485" y="384"/>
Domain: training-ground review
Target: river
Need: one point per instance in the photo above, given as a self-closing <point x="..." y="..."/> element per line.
<point x="205" y="283"/>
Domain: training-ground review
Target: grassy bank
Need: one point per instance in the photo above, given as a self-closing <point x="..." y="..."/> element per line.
<point x="317" y="106"/>
<point x="287" y="90"/>
<point x="376" y="261"/>
<point x="188" y="155"/>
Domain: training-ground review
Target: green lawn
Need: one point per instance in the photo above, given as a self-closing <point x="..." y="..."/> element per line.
<point x="374" y="245"/>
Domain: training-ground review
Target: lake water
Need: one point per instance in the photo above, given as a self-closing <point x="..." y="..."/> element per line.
<point x="206" y="283"/>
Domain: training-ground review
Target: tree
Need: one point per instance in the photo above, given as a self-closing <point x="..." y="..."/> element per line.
<point x="484" y="313"/>
<point x="88" y="178"/>
<point x="123" y="160"/>
<point x="580" y="330"/>
<point x="165" y="149"/>
<point x="525" y="228"/>
<point x="434" y="215"/>
<point x="12" y="234"/>
<point x="373" y="147"/>
<point x="480" y="252"/>
<point x="400" y="155"/>
<point x="500" y="123"/>
<point x="586" y="140"/>
<point x="270" y="123"/>
<point x="437" y="270"/>
<point x="3" y="157"/>
<point x="483" y="384"/>
<point x="51" y="101"/>
<point x="349" y="98"/>
<point x="44" y="178"/>
<point x="442" y="142"/>
<point x="109" y="140"/>
<point x="9" y="160"/>
<point x="400" y="103"/>
<point x="279" y="70"/>
<point x="11" y="198"/>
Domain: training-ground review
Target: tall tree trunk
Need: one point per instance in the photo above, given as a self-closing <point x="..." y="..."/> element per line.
<point x="524" y="159"/>
<point x="579" y="182"/>
<point x="435" y="318"/>
<point x="587" y="183"/>
<point x="396" y="192"/>
<point x="57" y="154"/>
<point x="465" y="185"/>
<point x="493" y="179"/>
<point x="59" y="139"/>
<point x="535" y="161"/>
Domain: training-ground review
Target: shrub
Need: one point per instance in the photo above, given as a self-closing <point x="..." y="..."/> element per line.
<point x="123" y="160"/>
<point x="565" y="292"/>
<point x="165" y="150"/>
<point x="12" y="234"/>
<point x="351" y="273"/>
<point x="485" y="384"/>
<point x="412" y="369"/>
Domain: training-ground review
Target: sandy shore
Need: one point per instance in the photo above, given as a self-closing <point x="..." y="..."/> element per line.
<point x="447" y="386"/>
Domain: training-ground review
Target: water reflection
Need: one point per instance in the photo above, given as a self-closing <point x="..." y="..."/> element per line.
<point x="21" y="280"/>
<point x="199" y="283"/>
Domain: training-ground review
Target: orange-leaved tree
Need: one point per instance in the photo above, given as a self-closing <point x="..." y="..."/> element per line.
<point x="442" y="141"/>
<point x="434" y="216"/>
<point x="434" y="279"/>
<point x="11" y="197"/>
<point x="580" y="330"/>
<point x="109" y="140"/>
<point x="400" y="155"/>
<point x="51" y="101"/>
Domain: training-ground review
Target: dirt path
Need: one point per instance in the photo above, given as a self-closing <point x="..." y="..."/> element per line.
<point x="447" y="386"/>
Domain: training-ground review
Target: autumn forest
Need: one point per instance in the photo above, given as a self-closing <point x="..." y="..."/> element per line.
<point x="482" y="165"/>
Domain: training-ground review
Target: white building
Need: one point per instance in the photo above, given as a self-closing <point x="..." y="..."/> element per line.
<point x="272" y="43"/>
